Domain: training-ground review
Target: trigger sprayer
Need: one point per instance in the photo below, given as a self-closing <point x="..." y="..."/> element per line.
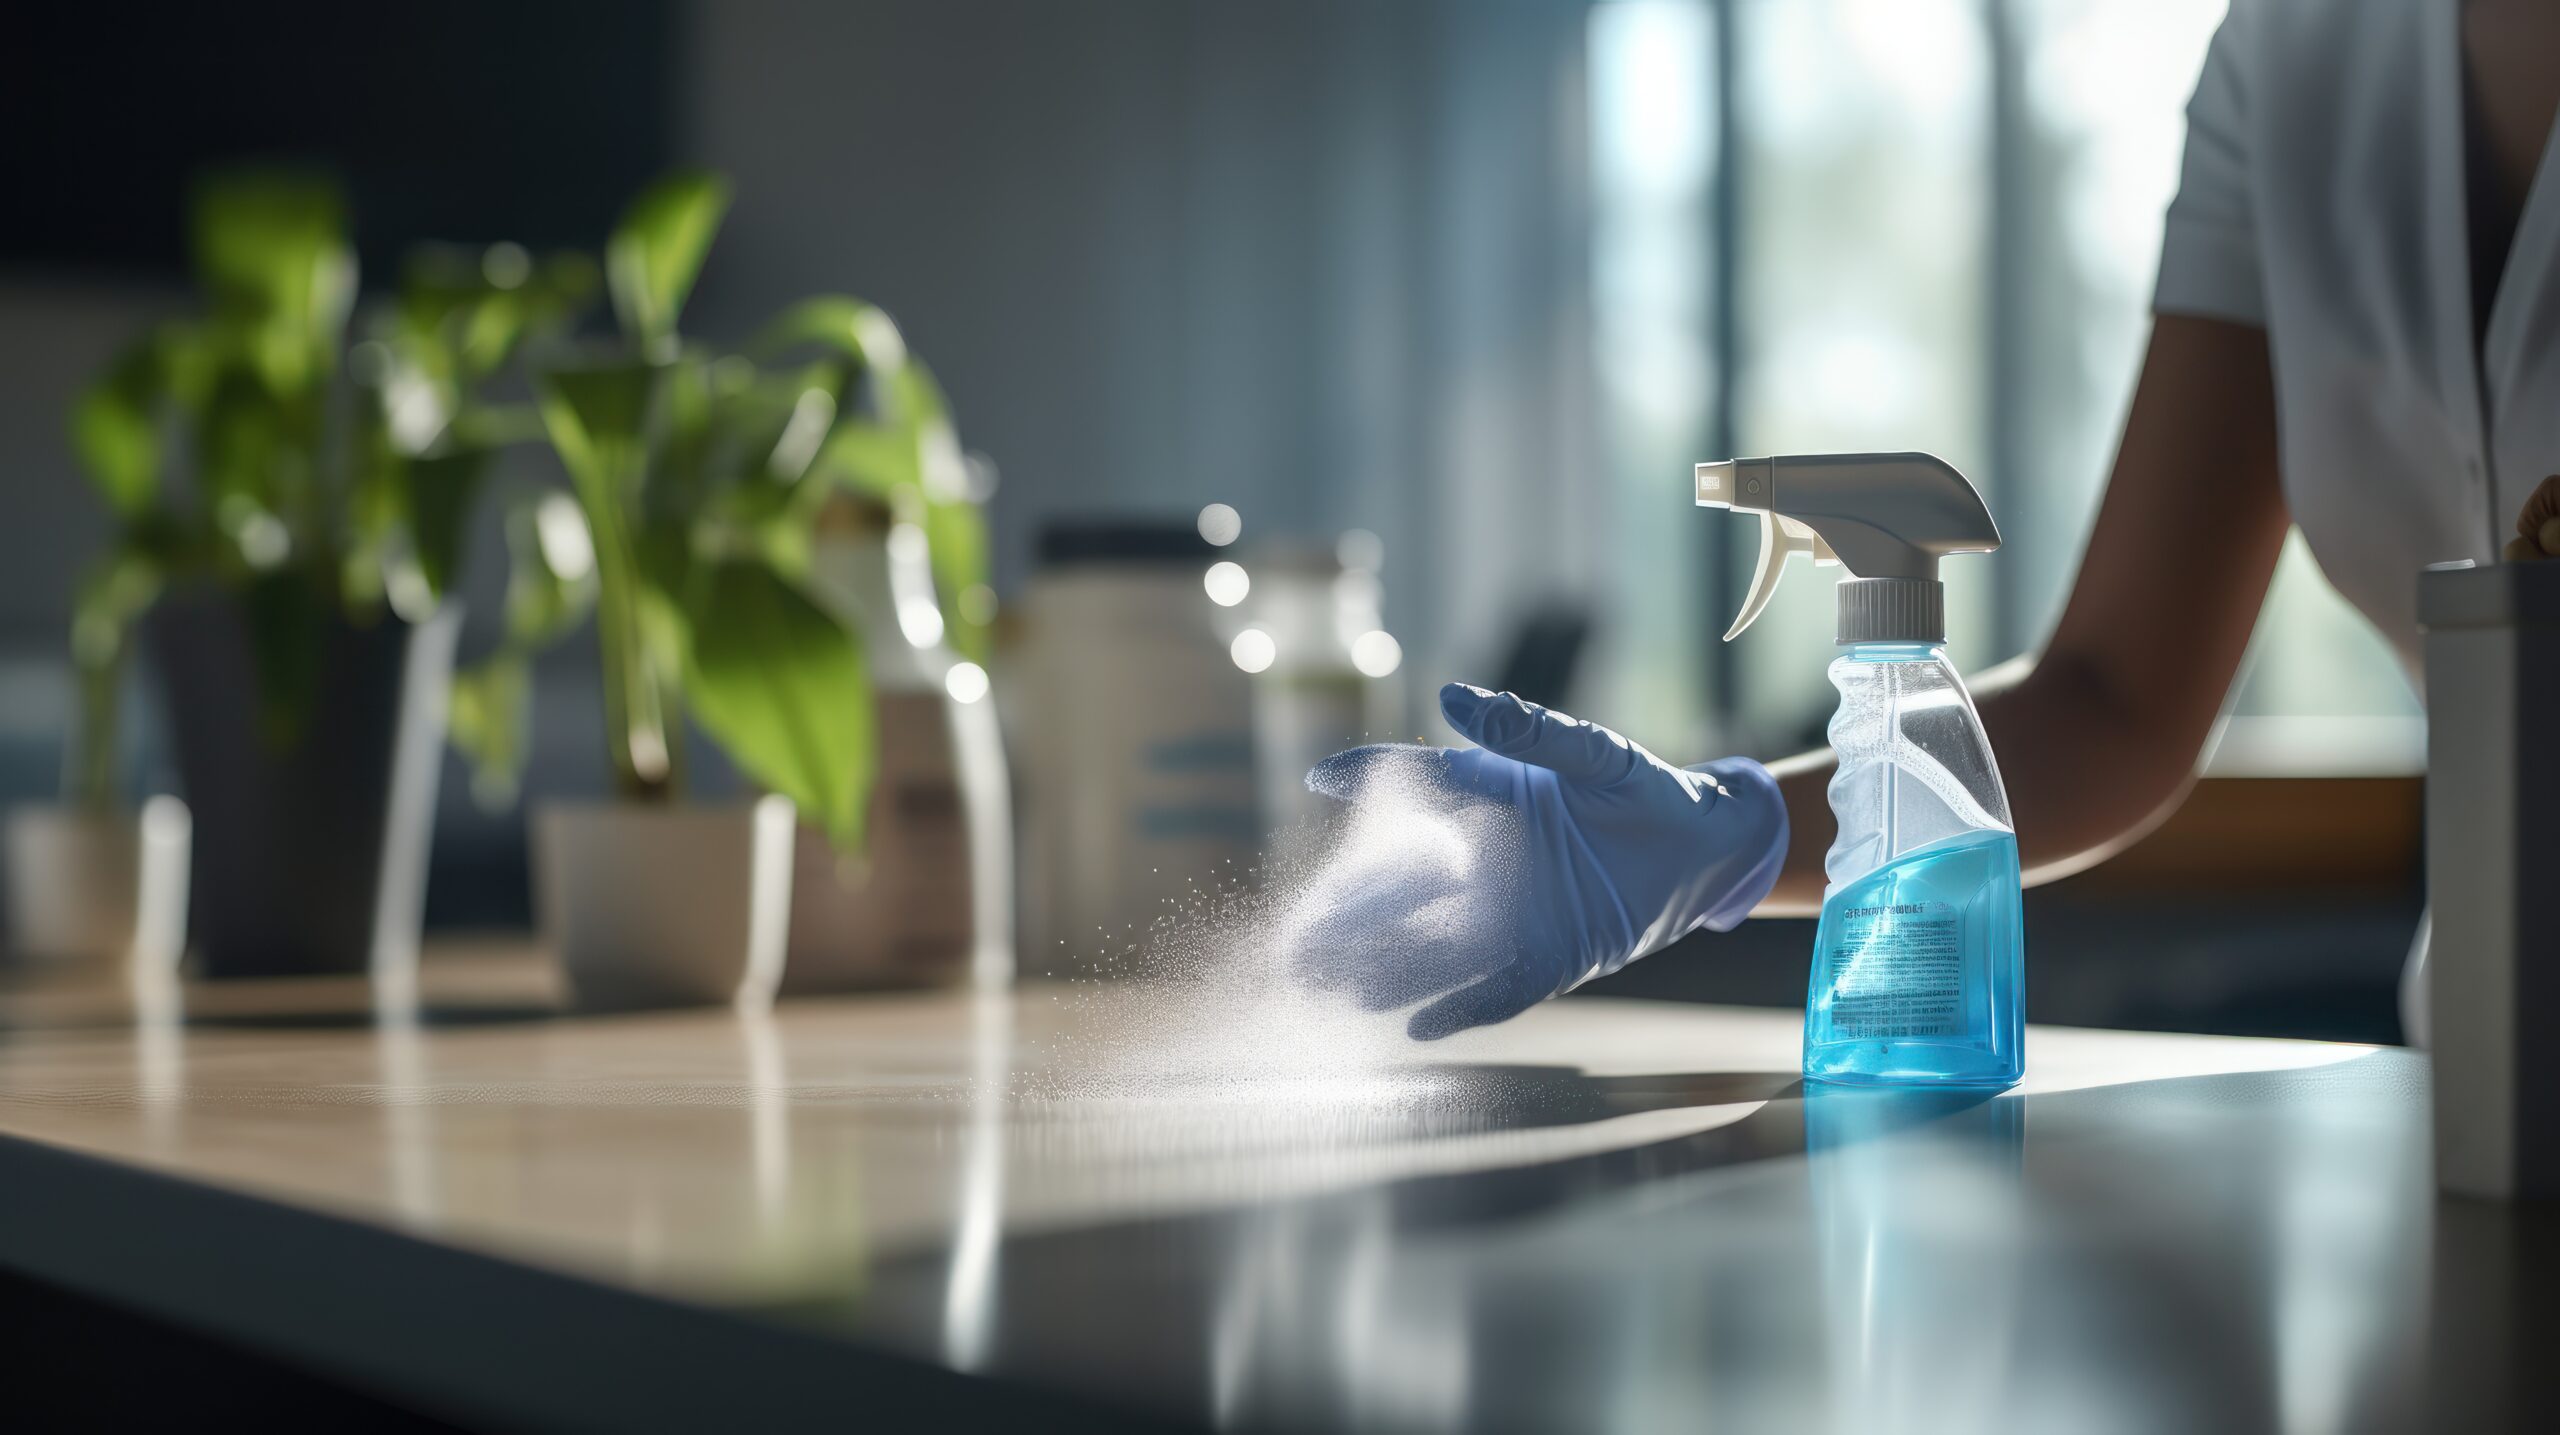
<point x="1918" y="967"/>
<point x="1885" y="517"/>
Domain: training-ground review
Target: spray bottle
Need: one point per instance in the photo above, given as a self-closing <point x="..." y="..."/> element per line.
<point x="1917" y="969"/>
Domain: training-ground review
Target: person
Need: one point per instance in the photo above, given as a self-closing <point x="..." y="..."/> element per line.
<point x="2356" y="332"/>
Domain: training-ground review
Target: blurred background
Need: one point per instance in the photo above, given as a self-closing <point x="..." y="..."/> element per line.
<point x="1471" y="281"/>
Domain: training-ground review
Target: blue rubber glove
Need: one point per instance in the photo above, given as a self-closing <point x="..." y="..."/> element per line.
<point x="1553" y="852"/>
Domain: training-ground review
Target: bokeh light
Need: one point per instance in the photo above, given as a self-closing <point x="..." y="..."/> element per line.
<point x="966" y="682"/>
<point x="1376" y="653"/>
<point x="1221" y="524"/>
<point x="1227" y="583"/>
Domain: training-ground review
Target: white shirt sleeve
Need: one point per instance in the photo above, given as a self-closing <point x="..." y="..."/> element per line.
<point x="2209" y="243"/>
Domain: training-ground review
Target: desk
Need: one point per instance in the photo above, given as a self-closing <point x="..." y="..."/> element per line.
<point x="1089" y="1205"/>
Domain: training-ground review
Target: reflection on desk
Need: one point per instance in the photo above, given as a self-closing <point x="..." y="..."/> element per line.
<point x="1604" y="1215"/>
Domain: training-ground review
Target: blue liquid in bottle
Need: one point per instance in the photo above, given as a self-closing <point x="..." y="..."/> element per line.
<point x="1918" y="969"/>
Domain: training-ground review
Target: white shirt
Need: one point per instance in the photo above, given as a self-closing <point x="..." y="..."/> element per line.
<point x="2323" y="198"/>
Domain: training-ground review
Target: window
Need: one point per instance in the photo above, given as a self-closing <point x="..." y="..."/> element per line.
<point x="1835" y="224"/>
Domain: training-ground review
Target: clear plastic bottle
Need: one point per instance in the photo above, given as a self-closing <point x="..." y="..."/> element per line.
<point x="1918" y="969"/>
<point x="1919" y="962"/>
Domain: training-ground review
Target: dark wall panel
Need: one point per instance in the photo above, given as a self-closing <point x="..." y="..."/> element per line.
<point x="464" y="119"/>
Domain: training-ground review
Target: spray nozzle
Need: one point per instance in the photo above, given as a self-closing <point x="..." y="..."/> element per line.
<point x="1885" y="517"/>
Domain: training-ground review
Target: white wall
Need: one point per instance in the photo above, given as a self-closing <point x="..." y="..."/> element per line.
<point x="1320" y="260"/>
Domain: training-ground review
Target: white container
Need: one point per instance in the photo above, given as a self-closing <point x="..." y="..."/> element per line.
<point x="1323" y="689"/>
<point x="666" y="906"/>
<point x="2493" y="846"/>
<point x="1135" y="728"/>
<point x="90" y="887"/>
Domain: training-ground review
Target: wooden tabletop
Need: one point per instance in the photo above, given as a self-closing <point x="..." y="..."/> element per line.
<point x="1163" y="1205"/>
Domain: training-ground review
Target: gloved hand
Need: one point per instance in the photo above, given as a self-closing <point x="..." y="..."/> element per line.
<point x="1613" y="854"/>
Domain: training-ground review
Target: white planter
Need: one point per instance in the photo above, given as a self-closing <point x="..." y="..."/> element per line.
<point x="666" y="906"/>
<point x="99" y="886"/>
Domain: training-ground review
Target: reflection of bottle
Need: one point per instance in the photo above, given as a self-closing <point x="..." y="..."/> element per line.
<point x="1917" y="1199"/>
<point x="905" y="913"/>
<point x="1918" y="967"/>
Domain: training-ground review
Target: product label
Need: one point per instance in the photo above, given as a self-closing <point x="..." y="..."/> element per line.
<point x="1896" y="970"/>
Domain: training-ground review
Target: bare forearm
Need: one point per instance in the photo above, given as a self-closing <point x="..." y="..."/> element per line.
<point x="2097" y="740"/>
<point x="1805" y="781"/>
<point x="2085" y="777"/>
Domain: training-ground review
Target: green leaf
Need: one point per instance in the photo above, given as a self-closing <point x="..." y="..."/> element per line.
<point x="551" y="575"/>
<point x="246" y="461"/>
<point x="655" y="253"/>
<point x="838" y="324"/>
<point x="111" y="598"/>
<point x="488" y="712"/>
<point x="768" y="432"/>
<point x="190" y="357"/>
<point x="563" y="285"/>
<point x="115" y="428"/>
<point x="874" y="458"/>
<point x="955" y="535"/>
<point x="915" y="396"/>
<point x="955" y="532"/>
<point x="598" y="418"/>
<point x="441" y="489"/>
<point x="375" y="504"/>
<point x="497" y="426"/>
<point x="551" y="587"/>
<point x="683" y="470"/>
<point x="272" y="247"/>
<point x="259" y="233"/>
<point x="442" y="290"/>
<point x="780" y="683"/>
<point x="463" y="310"/>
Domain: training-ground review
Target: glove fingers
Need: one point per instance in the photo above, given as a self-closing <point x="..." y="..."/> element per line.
<point x="1498" y="997"/>
<point x="1749" y="825"/>
<point x="1387" y="766"/>
<point x="1516" y="728"/>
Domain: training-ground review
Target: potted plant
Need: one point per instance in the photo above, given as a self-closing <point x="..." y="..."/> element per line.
<point x="89" y="878"/>
<point x="292" y="588"/>
<point x="692" y="530"/>
<point x="692" y="475"/>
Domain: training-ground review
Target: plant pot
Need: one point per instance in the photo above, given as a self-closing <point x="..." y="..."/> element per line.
<point x="666" y="906"/>
<point x="88" y="888"/>
<point x="312" y="853"/>
<point x="900" y="914"/>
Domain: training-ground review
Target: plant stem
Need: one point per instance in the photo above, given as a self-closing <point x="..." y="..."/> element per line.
<point x="634" y="699"/>
<point x="93" y="764"/>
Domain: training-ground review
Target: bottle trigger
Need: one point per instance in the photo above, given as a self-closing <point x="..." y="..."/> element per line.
<point x="1781" y="538"/>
